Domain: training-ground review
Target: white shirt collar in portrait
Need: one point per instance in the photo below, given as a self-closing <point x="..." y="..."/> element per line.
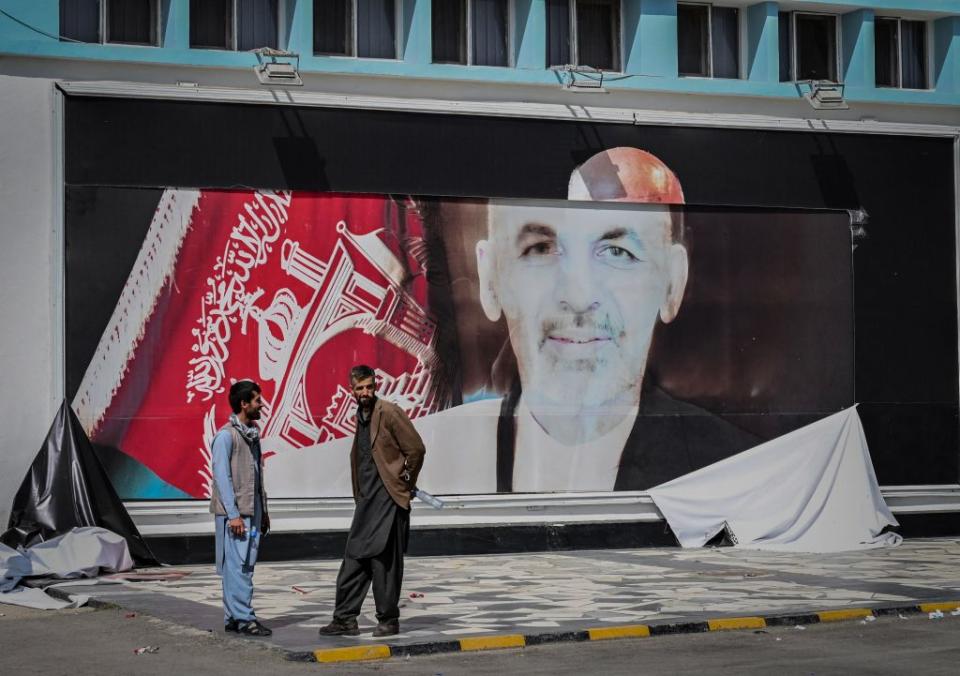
<point x="544" y="464"/>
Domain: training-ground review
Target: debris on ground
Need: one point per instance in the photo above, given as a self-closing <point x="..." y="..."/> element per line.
<point x="955" y="612"/>
<point x="146" y="649"/>
<point x="300" y="590"/>
<point x="936" y="615"/>
<point x="901" y="616"/>
<point x="800" y="627"/>
<point x="416" y="595"/>
<point x="868" y="618"/>
<point x="130" y="616"/>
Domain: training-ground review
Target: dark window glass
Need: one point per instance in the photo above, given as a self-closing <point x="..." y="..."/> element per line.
<point x="489" y="32"/>
<point x="210" y="23"/>
<point x="913" y="37"/>
<point x="332" y="27"/>
<point x="80" y="20"/>
<point x="376" y="29"/>
<point x="786" y="46"/>
<point x="558" y="32"/>
<point x="887" y="49"/>
<point x="598" y="34"/>
<point x="816" y="47"/>
<point x="131" y="21"/>
<point x="725" y="37"/>
<point x="692" y="32"/>
<point x="256" y="24"/>
<point x="449" y="31"/>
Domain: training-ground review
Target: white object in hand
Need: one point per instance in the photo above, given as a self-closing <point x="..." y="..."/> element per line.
<point x="431" y="500"/>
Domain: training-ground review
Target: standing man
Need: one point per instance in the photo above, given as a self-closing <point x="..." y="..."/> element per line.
<point x="385" y="461"/>
<point x="240" y="505"/>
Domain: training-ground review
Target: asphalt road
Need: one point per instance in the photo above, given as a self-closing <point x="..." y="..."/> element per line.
<point x="103" y="642"/>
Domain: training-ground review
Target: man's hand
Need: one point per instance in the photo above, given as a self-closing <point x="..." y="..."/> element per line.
<point x="265" y="524"/>
<point x="237" y="527"/>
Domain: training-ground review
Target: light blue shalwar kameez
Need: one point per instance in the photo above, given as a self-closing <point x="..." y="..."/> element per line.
<point x="236" y="556"/>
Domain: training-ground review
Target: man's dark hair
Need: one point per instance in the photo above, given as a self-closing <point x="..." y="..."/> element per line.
<point x="361" y="372"/>
<point x="241" y="392"/>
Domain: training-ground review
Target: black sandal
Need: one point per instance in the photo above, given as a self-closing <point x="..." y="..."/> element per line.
<point x="253" y="628"/>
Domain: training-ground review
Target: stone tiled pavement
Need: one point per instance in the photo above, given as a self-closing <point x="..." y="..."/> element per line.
<point x="445" y="598"/>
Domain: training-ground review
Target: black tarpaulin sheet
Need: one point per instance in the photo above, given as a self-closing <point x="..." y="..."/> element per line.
<point x="67" y="487"/>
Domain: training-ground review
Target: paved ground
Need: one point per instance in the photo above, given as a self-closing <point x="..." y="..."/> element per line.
<point x="448" y="598"/>
<point x="98" y="642"/>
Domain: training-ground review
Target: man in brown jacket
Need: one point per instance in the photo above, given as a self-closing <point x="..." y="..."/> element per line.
<point x="385" y="461"/>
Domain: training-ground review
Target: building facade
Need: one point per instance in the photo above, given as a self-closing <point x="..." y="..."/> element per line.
<point x="128" y="127"/>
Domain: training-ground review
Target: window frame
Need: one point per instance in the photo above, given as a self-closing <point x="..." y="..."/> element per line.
<point x="619" y="56"/>
<point x="232" y="28"/>
<point x="926" y="54"/>
<point x="709" y="46"/>
<point x="354" y="32"/>
<point x="466" y="47"/>
<point x="103" y="27"/>
<point x="837" y="45"/>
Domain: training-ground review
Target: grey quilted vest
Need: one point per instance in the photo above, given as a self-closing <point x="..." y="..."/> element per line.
<point x="242" y="472"/>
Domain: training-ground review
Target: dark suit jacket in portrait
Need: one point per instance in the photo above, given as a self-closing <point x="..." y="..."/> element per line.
<point x="669" y="438"/>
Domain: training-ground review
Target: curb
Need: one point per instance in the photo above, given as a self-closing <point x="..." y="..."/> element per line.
<point x="384" y="651"/>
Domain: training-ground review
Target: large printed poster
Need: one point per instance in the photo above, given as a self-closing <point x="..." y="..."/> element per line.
<point x="611" y="341"/>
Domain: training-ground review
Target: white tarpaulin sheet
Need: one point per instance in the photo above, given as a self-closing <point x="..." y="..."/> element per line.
<point x="83" y="552"/>
<point x="812" y="490"/>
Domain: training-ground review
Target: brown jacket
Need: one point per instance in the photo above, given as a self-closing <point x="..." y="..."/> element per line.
<point x="397" y="450"/>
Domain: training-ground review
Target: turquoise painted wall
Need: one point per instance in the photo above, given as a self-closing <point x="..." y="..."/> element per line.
<point x="857" y="47"/>
<point x="763" y="42"/>
<point x="649" y="47"/>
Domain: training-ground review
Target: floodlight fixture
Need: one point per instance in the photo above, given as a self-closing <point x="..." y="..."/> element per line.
<point x="277" y="67"/>
<point x="826" y="95"/>
<point x="590" y="79"/>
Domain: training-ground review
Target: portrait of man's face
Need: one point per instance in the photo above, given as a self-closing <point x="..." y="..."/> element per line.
<point x="580" y="288"/>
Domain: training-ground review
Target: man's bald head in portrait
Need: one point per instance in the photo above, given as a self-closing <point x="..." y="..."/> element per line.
<point x="581" y="288"/>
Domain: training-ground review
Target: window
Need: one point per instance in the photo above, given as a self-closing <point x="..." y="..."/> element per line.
<point x="584" y="33"/>
<point x="808" y="50"/>
<point x="131" y="22"/>
<point x="364" y="28"/>
<point x="474" y="32"/>
<point x="901" y="50"/>
<point x="708" y="41"/>
<point x="239" y="25"/>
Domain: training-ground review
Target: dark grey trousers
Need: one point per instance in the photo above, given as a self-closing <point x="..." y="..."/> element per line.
<point x="385" y="571"/>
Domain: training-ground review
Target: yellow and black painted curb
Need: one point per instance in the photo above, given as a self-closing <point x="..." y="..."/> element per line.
<point x="382" y="651"/>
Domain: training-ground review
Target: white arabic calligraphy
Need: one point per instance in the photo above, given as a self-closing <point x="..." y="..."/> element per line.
<point x="227" y="300"/>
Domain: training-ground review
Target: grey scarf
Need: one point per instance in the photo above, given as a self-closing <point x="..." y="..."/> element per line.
<point x="251" y="434"/>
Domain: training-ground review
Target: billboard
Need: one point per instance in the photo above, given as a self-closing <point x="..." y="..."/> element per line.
<point x="588" y="344"/>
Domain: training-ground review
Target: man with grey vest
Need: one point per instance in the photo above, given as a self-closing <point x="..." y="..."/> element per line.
<point x="385" y="461"/>
<point x="240" y="505"/>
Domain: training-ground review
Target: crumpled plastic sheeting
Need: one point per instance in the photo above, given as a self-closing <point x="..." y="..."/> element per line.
<point x="811" y="490"/>
<point x="66" y="487"/>
<point x="81" y="553"/>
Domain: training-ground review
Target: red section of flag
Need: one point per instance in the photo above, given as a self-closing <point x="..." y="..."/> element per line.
<point x="289" y="290"/>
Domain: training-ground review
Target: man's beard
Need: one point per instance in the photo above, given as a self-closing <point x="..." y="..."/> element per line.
<point x="253" y="415"/>
<point x="583" y="326"/>
<point x="574" y="383"/>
